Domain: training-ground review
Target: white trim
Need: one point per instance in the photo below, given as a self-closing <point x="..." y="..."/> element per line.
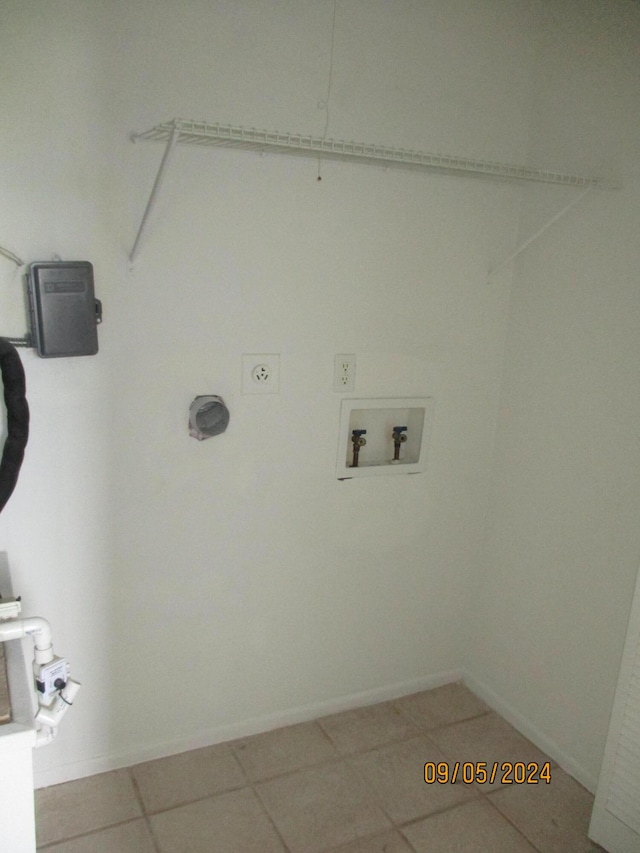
<point x="312" y="711"/>
<point x="529" y="730"/>
<point x="231" y="731"/>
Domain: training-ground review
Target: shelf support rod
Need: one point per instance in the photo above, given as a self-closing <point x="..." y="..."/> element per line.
<point x="168" y="151"/>
<point x="538" y="233"/>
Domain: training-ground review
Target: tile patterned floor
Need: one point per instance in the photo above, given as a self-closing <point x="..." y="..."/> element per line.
<point x="348" y="783"/>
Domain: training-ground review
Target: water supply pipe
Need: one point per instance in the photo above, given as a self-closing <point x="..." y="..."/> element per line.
<point x="54" y="689"/>
<point x="33" y="626"/>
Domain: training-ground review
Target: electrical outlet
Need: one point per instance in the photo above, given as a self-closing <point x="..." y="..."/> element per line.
<point x="344" y="373"/>
<point x="260" y="373"/>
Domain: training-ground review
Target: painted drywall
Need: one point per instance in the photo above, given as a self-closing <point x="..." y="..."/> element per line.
<point x="206" y="590"/>
<point x="298" y="589"/>
<point x="562" y="555"/>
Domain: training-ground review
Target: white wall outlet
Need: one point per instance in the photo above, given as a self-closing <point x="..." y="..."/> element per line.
<point x="260" y="373"/>
<point x="344" y="373"/>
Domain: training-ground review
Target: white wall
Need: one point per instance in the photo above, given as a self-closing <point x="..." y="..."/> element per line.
<point x="562" y="557"/>
<point x="203" y="590"/>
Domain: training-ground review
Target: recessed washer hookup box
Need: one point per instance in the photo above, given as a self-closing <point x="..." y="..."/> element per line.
<point x="64" y="311"/>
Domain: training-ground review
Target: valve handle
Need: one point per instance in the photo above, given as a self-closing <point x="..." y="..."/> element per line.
<point x="399" y="434"/>
<point x="357" y="439"/>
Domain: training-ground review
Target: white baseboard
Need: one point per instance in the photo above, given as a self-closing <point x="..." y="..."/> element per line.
<point x="304" y="713"/>
<point x="220" y="734"/>
<point x="530" y="731"/>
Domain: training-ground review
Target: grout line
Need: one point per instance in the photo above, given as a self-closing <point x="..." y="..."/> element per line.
<point x="325" y="733"/>
<point x="136" y="789"/>
<point x="509" y="821"/>
<point x="337" y="758"/>
<point x="154" y="840"/>
<point x="244" y="773"/>
<point x="460" y="804"/>
<point x="269" y="818"/>
<point x="423" y="730"/>
<point x="138" y="793"/>
<point x="183" y="803"/>
<point x="91" y="832"/>
<point x="406" y="840"/>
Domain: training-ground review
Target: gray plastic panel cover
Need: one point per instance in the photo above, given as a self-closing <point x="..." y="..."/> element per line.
<point x="63" y="310"/>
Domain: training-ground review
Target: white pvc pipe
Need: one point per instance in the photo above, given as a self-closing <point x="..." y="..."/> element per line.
<point x="33" y="626"/>
<point x="45" y="736"/>
<point x="51" y="716"/>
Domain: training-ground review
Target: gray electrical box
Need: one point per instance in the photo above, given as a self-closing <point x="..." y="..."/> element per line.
<point x="64" y="311"/>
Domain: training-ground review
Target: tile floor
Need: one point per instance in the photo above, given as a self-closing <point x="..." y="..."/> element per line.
<point x="347" y="783"/>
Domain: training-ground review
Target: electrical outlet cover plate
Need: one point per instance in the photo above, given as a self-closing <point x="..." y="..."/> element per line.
<point x="344" y="373"/>
<point x="260" y="373"/>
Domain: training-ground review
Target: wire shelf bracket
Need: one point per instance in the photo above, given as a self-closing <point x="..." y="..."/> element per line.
<point x="213" y="135"/>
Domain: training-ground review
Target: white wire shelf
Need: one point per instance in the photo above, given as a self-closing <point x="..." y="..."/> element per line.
<point x="267" y="141"/>
<point x="214" y="135"/>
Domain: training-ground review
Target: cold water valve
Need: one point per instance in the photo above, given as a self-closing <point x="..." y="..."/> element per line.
<point x="399" y="436"/>
<point x="358" y="441"/>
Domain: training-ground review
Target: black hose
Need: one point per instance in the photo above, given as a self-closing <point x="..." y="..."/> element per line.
<point x="17" y="419"/>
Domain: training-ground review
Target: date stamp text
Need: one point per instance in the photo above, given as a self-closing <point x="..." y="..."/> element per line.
<point x="482" y="773"/>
